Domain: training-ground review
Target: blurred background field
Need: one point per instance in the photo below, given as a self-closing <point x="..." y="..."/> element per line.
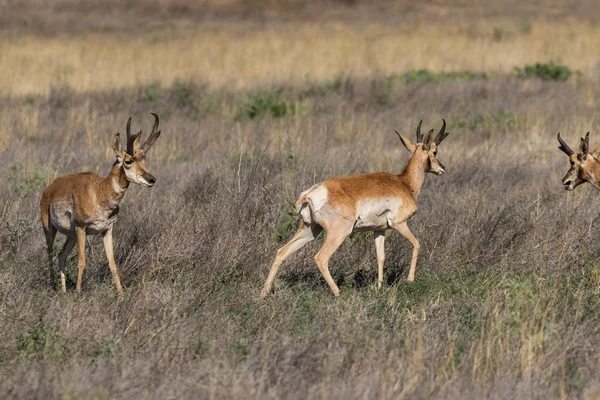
<point x="258" y="101"/>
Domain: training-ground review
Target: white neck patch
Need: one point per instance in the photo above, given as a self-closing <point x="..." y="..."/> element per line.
<point x="116" y="187"/>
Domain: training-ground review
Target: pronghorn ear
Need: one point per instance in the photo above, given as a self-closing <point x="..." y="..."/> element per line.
<point x="118" y="147"/>
<point x="407" y="143"/>
<point x="584" y="147"/>
<point x="428" y="140"/>
<point x="136" y="142"/>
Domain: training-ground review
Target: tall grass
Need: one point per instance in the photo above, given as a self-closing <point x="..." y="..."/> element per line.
<point x="505" y="302"/>
<point x="239" y="57"/>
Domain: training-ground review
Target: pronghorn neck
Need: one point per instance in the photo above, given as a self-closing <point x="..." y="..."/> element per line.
<point x="594" y="171"/>
<point x="116" y="182"/>
<point x="414" y="173"/>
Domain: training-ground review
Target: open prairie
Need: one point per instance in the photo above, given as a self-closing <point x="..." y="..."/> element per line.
<point x="258" y="101"/>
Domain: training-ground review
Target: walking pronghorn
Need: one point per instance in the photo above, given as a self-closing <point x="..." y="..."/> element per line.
<point x="85" y="203"/>
<point x="585" y="167"/>
<point x="370" y="202"/>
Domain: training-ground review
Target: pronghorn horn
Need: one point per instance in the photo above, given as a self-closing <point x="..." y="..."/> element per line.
<point x="131" y="138"/>
<point x="442" y="134"/>
<point x="564" y="147"/>
<point x="153" y="135"/>
<point x="419" y="134"/>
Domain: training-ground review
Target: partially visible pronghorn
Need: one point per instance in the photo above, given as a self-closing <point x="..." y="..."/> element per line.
<point x="85" y="203"/>
<point x="370" y="202"/>
<point x="585" y="167"/>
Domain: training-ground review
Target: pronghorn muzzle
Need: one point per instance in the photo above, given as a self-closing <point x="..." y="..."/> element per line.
<point x="148" y="179"/>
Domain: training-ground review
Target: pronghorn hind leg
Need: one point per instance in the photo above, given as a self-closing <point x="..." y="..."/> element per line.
<point x="50" y="234"/>
<point x="304" y="235"/>
<point x="336" y="235"/>
<point x="80" y="232"/>
<point x="407" y="234"/>
<point x="62" y="259"/>
<point x="379" y="247"/>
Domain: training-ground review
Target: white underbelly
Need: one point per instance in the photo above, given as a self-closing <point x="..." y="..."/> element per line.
<point x="100" y="226"/>
<point x="61" y="216"/>
<point x="376" y="214"/>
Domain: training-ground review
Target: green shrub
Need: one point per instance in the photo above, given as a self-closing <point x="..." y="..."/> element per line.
<point x="424" y="75"/>
<point x="30" y="98"/>
<point x="43" y="342"/>
<point x="152" y="92"/>
<point x="26" y="180"/>
<point x="550" y="71"/>
<point x="488" y="122"/>
<point x="267" y="103"/>
<point x="340" y="85"/>
<point x="498" y="34"/>
<point x="183" y="93"/>
<point x="288" y="224"/>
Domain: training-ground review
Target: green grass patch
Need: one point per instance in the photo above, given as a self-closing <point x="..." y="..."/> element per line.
<point x="550" y="71"/>
<point x="29" y="179"/>
<point x="44" y="342"/>
<point x="266" y="103"/>
<point x="183" y="93"/>
<point x="487" y="122"/>
<point x="152" y="92"/>
<point x="340" y="85"/>
<point x="426" y="76"/>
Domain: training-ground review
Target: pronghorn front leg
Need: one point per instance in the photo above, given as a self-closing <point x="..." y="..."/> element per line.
<point x="407" y="234"/>
<point x="379" y="241"/>
<point x="80" y="232"/>
<point x="108" y="247"/>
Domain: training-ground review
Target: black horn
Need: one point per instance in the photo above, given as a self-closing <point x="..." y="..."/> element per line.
<point x="131" y="138"/>
<point x="153" y="135"/>
<point x="564" y="147"/>
<point x="442" y="134"/>
<point x="419" y="134"/>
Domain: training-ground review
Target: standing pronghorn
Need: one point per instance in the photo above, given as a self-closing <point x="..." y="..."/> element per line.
<point x="585" y="167"/>
<point x="85" y="203"/>
<point x="370" y="202"/>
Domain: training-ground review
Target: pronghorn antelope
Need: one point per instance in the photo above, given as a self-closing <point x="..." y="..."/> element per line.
<point x="85" y="203"/>
<point x="370" y="202"/>
<point x="585" y="166"/>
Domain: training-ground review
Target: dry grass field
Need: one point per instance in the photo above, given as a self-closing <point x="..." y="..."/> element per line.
<point x="257" y="104"/>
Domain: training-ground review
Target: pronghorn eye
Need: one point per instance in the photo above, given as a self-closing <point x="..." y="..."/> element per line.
<point x="128" y="162"/>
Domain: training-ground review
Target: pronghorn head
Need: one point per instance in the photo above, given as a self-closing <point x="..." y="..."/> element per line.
<point x="132" y="158"/>
<point x="426" y="148"/>
<point x="584" y="166"/>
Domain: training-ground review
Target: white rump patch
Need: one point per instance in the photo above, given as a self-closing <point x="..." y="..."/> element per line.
<point x="317" y="197"/>
<point x="61" y="215"/>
